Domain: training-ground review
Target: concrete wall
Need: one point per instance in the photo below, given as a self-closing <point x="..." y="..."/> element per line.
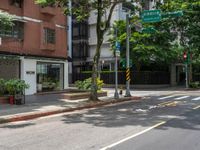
<point x="29" y="65"/>
<point x="105" y="50"/>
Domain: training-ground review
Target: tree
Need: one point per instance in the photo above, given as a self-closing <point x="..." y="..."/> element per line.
<point x="103" y="10"/>
<point x="146" y="48"/>
<point x="187" y="27"/>
<point x="5" y="19"/>
<point x="174" y="35"/>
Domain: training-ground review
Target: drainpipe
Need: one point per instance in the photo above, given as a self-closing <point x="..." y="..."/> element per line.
<point x="69" y="43"/>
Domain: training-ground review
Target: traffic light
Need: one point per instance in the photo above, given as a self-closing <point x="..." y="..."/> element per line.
<point x="185" y="55"/>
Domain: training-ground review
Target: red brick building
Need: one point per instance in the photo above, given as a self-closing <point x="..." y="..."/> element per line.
<point x="35" y="48"/>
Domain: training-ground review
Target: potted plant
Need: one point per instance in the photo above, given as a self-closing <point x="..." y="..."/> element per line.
<point x="3" y="98"/>
<point x="11" y="88"/>
<point x="15" y="88"/>
<point x="20" y="87"/>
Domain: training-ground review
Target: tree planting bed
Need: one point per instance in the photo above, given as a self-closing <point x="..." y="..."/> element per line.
<point x="74" y="94"/>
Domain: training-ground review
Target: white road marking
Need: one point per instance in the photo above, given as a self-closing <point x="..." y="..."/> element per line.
<point x="197" y="107"/>
<point x="196" y="99"/>
<point x="134" y="135"/>
<point x="182" y="97"/>
<point x="166" y="97"/>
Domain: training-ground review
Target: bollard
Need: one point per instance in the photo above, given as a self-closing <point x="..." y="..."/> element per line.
<point x="121" y="91"/>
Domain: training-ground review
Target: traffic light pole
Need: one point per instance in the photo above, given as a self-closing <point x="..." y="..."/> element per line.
<point x="116" y="95"/>
<point x="186" y="57"/>
<point x="186" y="75"/>
<point x="128" y="94"/>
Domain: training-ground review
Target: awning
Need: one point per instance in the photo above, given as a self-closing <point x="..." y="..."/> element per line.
<point x="18" y="18"/>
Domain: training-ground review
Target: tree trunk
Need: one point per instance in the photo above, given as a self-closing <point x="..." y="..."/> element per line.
<point x="93" y="94"/>
<point x="100" y="30"/>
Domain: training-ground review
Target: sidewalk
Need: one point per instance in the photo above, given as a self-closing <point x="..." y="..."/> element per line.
<point x="43" y="105"/>
<point x="49" y="104"/>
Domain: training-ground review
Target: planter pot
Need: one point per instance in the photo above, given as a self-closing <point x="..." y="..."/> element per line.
<point x="39" y="87"/>
<point x="11" y="100"/>
<point x="18" y="99"/>
<point x="4" y="100"/>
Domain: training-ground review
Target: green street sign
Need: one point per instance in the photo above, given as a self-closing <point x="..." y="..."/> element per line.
<point x="172" y="14"/>
<point x="149" y="16"/>
<point x="149" y="30"/>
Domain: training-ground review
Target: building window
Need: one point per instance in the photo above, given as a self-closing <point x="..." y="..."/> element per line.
<point x="75" y="31"/>
<point x="80" y="50"/>
<point x="16" y="31"/>
<point x="17" y="3"/>
<point x="80" y="30"/>
<point x="49" y="36"/>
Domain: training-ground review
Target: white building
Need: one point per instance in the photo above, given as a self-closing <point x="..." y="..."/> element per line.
<point x="107" y="57"/>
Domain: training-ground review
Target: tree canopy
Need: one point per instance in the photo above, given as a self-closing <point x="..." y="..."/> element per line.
<point x="173" y="35"/>
<point x="5" y="19"/>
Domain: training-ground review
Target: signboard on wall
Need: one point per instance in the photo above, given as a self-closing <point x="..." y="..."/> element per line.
<point x="30" y="72"/>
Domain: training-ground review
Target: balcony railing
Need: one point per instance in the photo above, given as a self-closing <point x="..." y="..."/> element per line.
<point x="48" y="10"/>
<point x="48" y="46"/>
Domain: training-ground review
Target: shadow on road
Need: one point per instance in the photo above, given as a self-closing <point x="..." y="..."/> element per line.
<point x="128" y="115"/>
<point x="17" y="126"/>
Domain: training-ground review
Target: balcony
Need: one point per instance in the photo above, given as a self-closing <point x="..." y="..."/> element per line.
<point x="48" y="47"/>
<point x="48" y="10"/>
<point x="11" y="45"/>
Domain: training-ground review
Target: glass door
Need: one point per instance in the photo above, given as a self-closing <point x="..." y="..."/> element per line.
<point x="50" y="76"/>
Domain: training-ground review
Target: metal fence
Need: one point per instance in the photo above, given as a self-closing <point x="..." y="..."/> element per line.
<point x="143" y="77"/>
<point x="196" y="77"/>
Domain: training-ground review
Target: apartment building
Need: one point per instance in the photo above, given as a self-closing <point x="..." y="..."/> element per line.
<point x="35" y="48"/>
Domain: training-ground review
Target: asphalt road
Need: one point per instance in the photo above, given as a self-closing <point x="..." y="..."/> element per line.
<point x="99" y="128"/>
<point x="182" y="133"/>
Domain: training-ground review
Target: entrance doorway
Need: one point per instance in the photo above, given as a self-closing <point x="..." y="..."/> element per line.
<point x="50" y="76"/>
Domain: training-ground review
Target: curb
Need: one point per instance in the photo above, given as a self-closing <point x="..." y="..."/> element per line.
<point x="87" y="106"/>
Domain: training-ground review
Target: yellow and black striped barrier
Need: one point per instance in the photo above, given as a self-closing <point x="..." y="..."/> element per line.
<point x="128" y="74"/>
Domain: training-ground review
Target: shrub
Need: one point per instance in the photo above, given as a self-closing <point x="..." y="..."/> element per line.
<point x="2" y="86"/>
<point x="194" y="84"/>
<point x="15" y="86"/>
<point x="87" y="84"/>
